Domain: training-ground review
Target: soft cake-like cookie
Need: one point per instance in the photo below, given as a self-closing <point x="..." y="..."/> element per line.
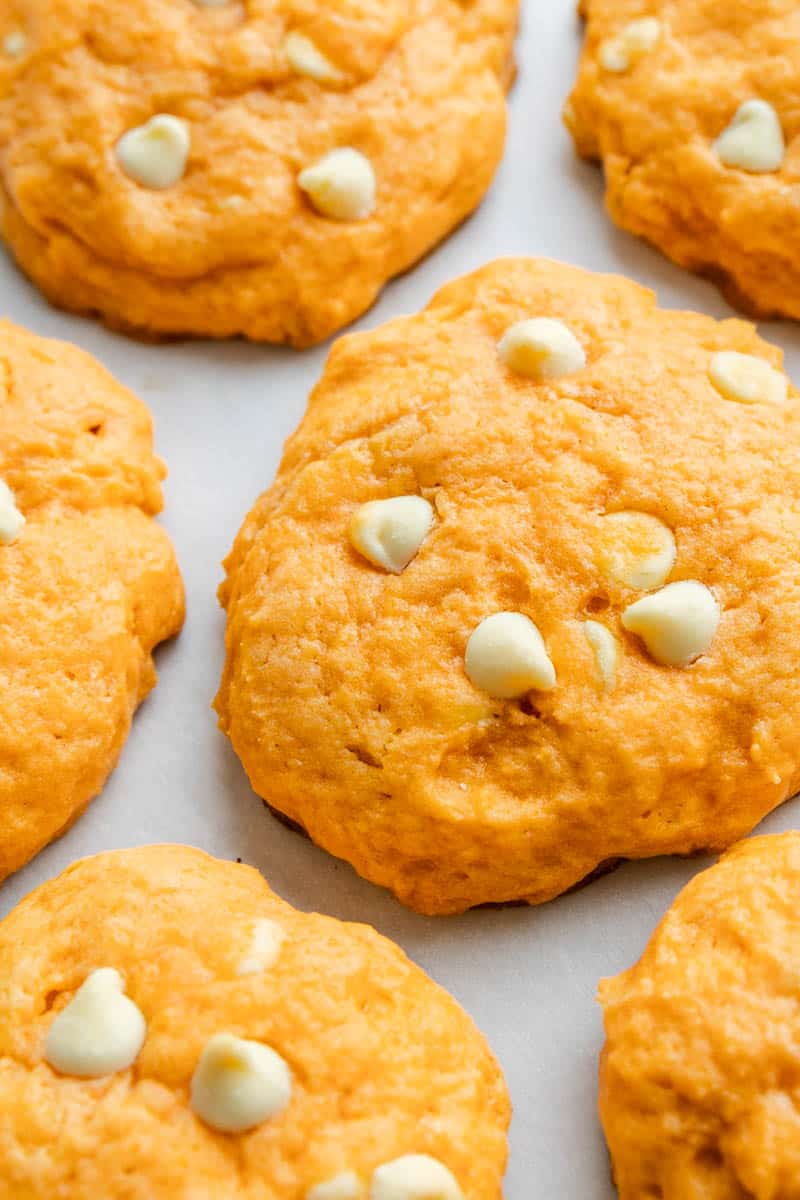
<point x="698" y="1080"/>
<point x="88" y="583"/>
<point x="692" y="107"/>
<point x="186" y="1034"/>
<point x="525" y="594"/>
<point x="257" y="167"/>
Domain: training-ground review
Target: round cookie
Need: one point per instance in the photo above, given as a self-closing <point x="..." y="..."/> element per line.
<point x="88" y="583"/>
<point x="590" y="654"/>
<point x="189" y="167"/>
<point x="252" y="1051"/>
<point x="692" y="108"/>
<point x="698" y="1078"/>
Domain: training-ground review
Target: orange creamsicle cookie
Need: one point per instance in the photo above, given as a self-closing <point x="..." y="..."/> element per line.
<point x="218" y="167"/>
<point x="183" y="1028"/>
<point x="698" y="1080"/>
<point x="89" y="584"/>
<point x="692" y="108"/>
<point x="524" y="595"/>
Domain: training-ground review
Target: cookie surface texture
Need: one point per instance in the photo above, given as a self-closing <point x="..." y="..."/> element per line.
<point x="89" y="584"/>
<point x="697" y="1081"/>
<point x="692" y="108"/>
<point x="258" y="168"/>
<point x="461" y="731"/>
<point x="376" y="1063"/>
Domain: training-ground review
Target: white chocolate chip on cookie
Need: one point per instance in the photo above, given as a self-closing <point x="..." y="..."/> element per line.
<point x="238" y="1084"/>
<point x="506" y="657"/>
<point x="754" y="139"/>
<point x="15" y="44"/>
<point x="618" y="54"/>
<point x="265" y="946"/>
<point x="606" y="652"/>
<point x="346" y="1186"/>
<point x="306" y="59"/>
<point x="635" y="549"/>
<point x="155" y="154"/>
<point x="100" y="1031"/>
<point x="677" y="624"/>
<point x="234" y="201"/>
<point x="341" y="185"/>
<point x="414" y="1177"/>
<point x="746" y="378"/>
<point x="390" y="532"/>
<point x="11" y="519"/>
<point x="541" y="348"/>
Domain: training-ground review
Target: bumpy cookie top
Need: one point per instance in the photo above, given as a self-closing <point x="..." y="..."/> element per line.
<point x="591" y="651"/>
<point x="243" y="166"/>
<point x="699" y="1075"/>
<point x="248" y="1050"/>
<point x="88" y="582"/>
<point x="692" y="105"/>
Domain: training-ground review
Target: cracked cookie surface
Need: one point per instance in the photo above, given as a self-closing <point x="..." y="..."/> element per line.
<point x="88" y="586"/>
<point x="205" y="222"/>
<point x="383" y="1064"/>
<point x="698" y="1078"/>
<point x="658" y="101"/>
<point x="490" y="714"/>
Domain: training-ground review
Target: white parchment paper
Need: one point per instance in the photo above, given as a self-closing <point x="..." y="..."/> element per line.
<point x="528" y="976"/>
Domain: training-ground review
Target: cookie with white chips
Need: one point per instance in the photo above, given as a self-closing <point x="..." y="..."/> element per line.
<point x="524" y="596"/>
<point x="89" y="583"/>
<point x="218" y="168"/>
<point x="180" y="1025"/>
<point x="692" y="108"/>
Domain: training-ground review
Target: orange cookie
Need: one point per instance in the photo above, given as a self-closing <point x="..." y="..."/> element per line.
<point x="170" y="1029"/>
<point x="699" y="1090"/>
<point x="88" y="583"/>
<point x="256" y="167"/>
<point x="524" y="596"/>
<point x="693" y="108"/>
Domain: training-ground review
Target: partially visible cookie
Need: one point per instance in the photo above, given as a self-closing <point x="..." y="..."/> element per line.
<point x="692" y="108"/>
<point x="524" y="595"/>
<point x="221" y="168"/>
<point x="698" y="1080"/>
<point x="180" y="1026"/>
<point x="88" y="583"/>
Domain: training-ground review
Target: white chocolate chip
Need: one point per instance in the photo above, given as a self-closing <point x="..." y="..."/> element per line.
<point x="754" y="139"/>
<point x="414" y="1177"/>
<point x="614" y="56"/>
<point x="265" y="946"/>
<point x="636" y="549"/>
<point x="11" y="519"/>
<point x="541" y="348"/>
<point x="155" y="154"/>
<point x="15" y="44"/>
<point x="676" y="624"/>
<point x="233" y="201"/>
<point x="306" y="59"/>
<point x="390" y="532"/>
<point x="748" y="379"/>
<point x="506" y="657"/>
<point x="606" y="652"/>
<point x="620" y="53"/>
<point x="341" y="185"/>
<point x="238" y="1084"/>
<point x="100" y="1031"/>
<point x="346" y="1186"/>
